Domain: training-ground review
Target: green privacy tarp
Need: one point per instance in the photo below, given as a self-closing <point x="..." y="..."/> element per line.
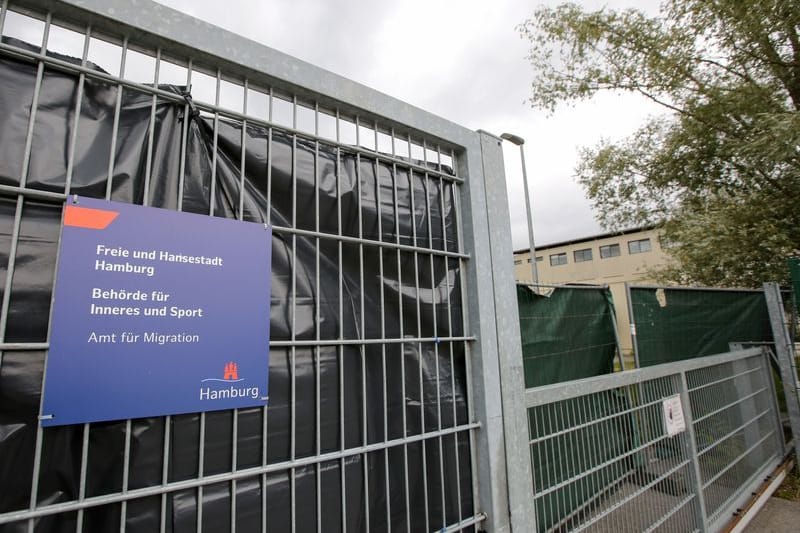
<point x="567" y="334"/>
<point x="673" y="324"/>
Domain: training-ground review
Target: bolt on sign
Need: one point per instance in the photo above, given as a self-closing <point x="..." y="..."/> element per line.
<point x="156" y="312"/>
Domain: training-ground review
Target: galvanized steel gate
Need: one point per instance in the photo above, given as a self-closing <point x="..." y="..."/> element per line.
<point x="606" y="459"/>
<point x="473" y="465"/>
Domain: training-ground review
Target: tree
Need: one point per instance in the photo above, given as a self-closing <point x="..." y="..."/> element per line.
<point x="721" y="171"/>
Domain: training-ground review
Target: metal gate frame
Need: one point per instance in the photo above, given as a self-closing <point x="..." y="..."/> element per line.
<point x="716" y="392"/>
<point x="497" y="425"/>
<point x="786" y="357"/>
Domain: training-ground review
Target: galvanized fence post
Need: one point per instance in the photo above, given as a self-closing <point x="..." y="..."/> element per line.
<point x="691" y="451"/>
<point x="786" y="359"/>
<point x="505" y="481"/>
<point x="632" y="324"/>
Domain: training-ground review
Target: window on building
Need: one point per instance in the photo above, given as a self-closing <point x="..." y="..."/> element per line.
<point x="539" y="258"/>
<point x="610" y="250"/>
<point x="558" y="259"/>
<point x="582" y="255"/>
<point x="517" y="261"/>
<point x="639" y="246"/>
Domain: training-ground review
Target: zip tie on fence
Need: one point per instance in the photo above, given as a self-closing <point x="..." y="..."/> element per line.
<point x="194" y="112"/>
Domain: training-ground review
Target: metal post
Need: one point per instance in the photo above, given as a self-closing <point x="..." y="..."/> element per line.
<point x="519" y="141"/>
<point x="691" y="450"/>
<point x="632" y="323"/>
<point x="786" y="362"/>
<point x="509" y="348"/>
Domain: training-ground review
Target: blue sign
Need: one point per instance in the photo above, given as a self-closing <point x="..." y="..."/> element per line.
<point x="156" y="312"/>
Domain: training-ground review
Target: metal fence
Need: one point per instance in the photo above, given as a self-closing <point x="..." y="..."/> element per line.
<point x="319" y="457"/>
<point x="615" y="453"/>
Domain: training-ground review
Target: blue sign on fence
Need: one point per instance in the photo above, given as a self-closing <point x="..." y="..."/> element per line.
<point x="156" y="312"/>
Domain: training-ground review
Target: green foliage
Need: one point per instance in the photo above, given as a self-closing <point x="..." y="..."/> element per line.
<point x="721" y="172"/>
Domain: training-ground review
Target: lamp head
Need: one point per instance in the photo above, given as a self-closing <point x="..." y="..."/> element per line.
<point x="515" y="139"/>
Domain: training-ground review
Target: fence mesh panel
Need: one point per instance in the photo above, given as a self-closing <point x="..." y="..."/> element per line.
<point x="369" y="423"/>
<point x="605" y="457"/>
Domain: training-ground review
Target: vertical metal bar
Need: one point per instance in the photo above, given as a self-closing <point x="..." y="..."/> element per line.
<point x="551" y="498"/>
<point x="587" y="411"/>
<point x="607" y="472"/>
<point x="784" y="349"/>
<point x="434" y="296"/>
<point x="37" y="88"/>
<point x="115" y="128"/>
<point x="566" y="456"/>
<point x="12" y="253"/>
<point x="84" y="466"/>
<point x="265" y="410"/>
<point x="450" y="333"/>
<point x="234" y="467"/>
<point x="577" y="445"/>
<point x="243" y="159"/>
<point x="403" y="393"/>
<point x="691" y="443"/>
<point x="585" y="448"/>
<point x="151" y="134"/>
<point x="212" y="201"/>
<point x="419" y="348"/>
<point x="12" y="256"/>
<point x="165" y="472"/>
<point x="78" y="101"/>
<point x="3" y="11"/>
<point x="317" y="318"/>
<point x="340" y="348"/>
<point x="37" y="453"/>
<point x="535" y="452"/>
<point x="293" y="448"/>
<point x="240" y="216"/>
<point x="364" y="439"/>
<point x="126" y="469"/>
<point x="465" y="325"/>
<point x="187" y="118"/>
<point x="382" y="281"/>
<point x="201" y="459"/>
<point x="202" y="444"/>
<point x="767" y="371"/>
<point x="264" y="435"/>
<point x="269" y="159"/>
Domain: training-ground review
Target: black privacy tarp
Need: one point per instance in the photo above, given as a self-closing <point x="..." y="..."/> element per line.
<point x="271" y="160"/>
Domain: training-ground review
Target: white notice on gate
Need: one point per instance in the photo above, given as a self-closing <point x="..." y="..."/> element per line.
<point x="673" y="415"/>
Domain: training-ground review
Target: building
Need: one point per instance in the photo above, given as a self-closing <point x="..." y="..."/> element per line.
<point x="612" y="259"/>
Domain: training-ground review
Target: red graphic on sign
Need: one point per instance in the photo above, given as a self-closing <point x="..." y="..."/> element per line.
<point x="84" y="217"/>
<point x="231" y="371"/>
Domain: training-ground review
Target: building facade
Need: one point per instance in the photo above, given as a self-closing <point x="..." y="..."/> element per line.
<point x="612" y="259"/>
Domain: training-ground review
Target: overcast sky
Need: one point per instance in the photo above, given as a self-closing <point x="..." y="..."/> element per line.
<point x="463" y="60"/>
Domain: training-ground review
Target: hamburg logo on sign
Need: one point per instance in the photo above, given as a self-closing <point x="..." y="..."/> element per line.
<point x="223" y="389"/>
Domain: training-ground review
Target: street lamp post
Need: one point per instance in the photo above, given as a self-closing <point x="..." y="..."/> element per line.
<point x="519" y="141"/>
